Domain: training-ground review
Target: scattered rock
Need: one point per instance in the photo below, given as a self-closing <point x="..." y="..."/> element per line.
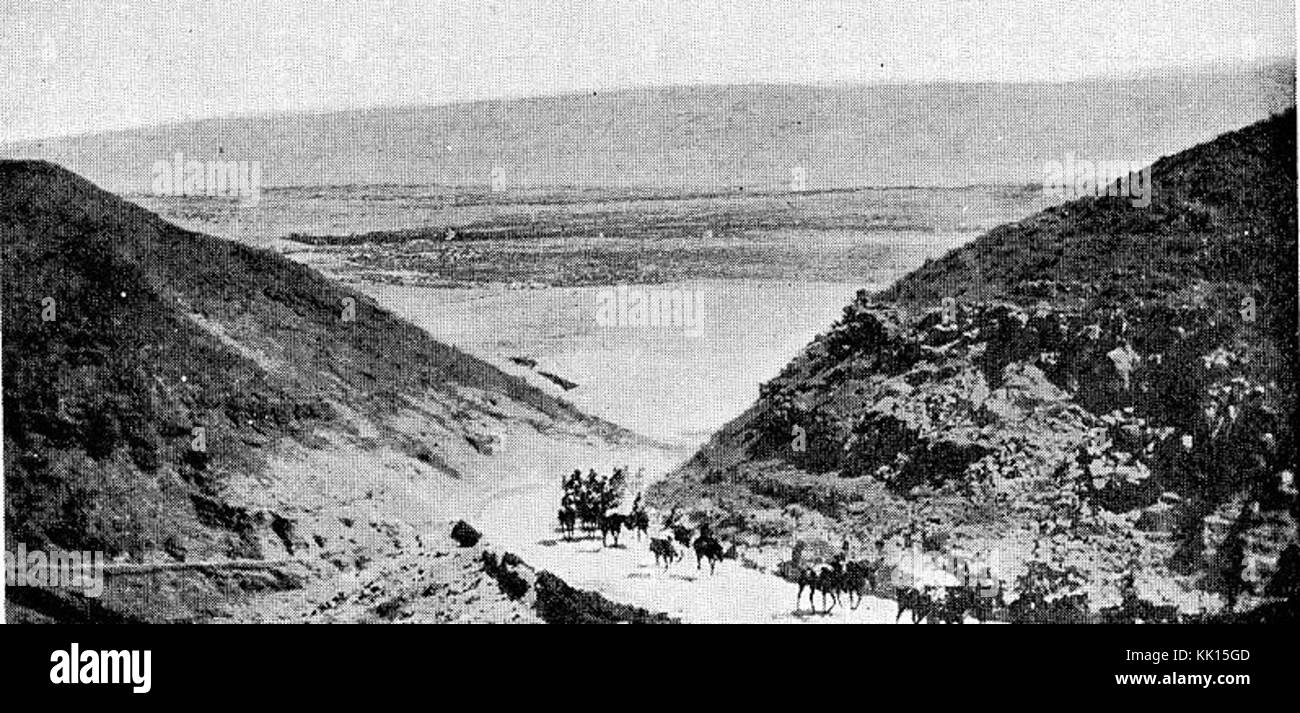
<point x="465" y="535"/>
<point x="481" y="443"/>
<point x="559" y="381"/>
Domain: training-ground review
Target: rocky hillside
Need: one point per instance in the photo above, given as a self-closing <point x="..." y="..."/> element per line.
<point x="1100" y="397"/>
<point x="170" y="397"/>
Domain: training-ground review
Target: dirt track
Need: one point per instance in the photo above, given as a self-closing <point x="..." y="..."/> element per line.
<point x="521" y="519"/>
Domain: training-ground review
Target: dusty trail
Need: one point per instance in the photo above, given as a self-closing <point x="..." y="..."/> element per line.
<point x="689" y="388"/>
<point x="521" y="519"/>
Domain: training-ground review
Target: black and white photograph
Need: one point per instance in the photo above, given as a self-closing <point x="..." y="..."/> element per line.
<point x="577" y="312"/>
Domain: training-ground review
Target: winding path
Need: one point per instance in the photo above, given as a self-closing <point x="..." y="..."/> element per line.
<point x="521" y="519"/>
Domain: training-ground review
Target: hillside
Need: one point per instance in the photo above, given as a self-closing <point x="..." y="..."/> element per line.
<point x="172" y="398"/>
<point x="1104" y="408"/>
<point x="709" y="138"/>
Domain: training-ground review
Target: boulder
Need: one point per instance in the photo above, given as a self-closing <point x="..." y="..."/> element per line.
<point x="1024" y="388"/>
<point x="464" y="534"/>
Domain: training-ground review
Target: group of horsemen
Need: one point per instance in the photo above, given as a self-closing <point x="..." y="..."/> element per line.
<point x="593" y="501"/>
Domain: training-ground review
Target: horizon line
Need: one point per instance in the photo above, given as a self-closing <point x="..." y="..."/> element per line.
<point x="1258" y="63"/>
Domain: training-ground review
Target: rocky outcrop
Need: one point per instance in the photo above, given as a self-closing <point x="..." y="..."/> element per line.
<point x="1085" y="390"/>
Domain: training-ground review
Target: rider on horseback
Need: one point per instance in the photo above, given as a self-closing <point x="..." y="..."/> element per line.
<point x="671" y="518"/>
<point x="705" y="532"/>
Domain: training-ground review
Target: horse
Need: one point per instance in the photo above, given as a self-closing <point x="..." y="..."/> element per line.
<point x="589" y="521"/>
<point x="956" y="602"/>
<point x="612" y="524"/>
<point x="639" y="521"/>
<point x="568" y="519"/>
<point x="858" y="579"/>
<point x="916" y="601"/>
<point x="663" y="549"/>
<point x="708" y="548"/>
<point x="816" y="572"/>
<point x="821" y="577"/>
<point x="682" y="534"/>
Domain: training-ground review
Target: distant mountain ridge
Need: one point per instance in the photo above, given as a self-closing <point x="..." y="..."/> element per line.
<point x="709" y="138"/>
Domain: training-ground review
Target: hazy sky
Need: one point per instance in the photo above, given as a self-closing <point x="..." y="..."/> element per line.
<point x="72" y="67"/>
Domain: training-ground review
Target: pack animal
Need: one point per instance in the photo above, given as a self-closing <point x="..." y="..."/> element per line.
<point x="917" y="601"/>
<point x="568" y="521"/>
<point x="663" y="550"/>
<point x="611" y="525"/>
<point x="708" y="548"/>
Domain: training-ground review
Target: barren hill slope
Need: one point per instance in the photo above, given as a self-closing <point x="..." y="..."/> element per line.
<point x="172" y="397"/>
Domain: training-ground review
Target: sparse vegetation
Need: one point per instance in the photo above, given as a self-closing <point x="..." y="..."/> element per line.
<point x="1094" y="358"/>
<point x="145" y="365"/>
